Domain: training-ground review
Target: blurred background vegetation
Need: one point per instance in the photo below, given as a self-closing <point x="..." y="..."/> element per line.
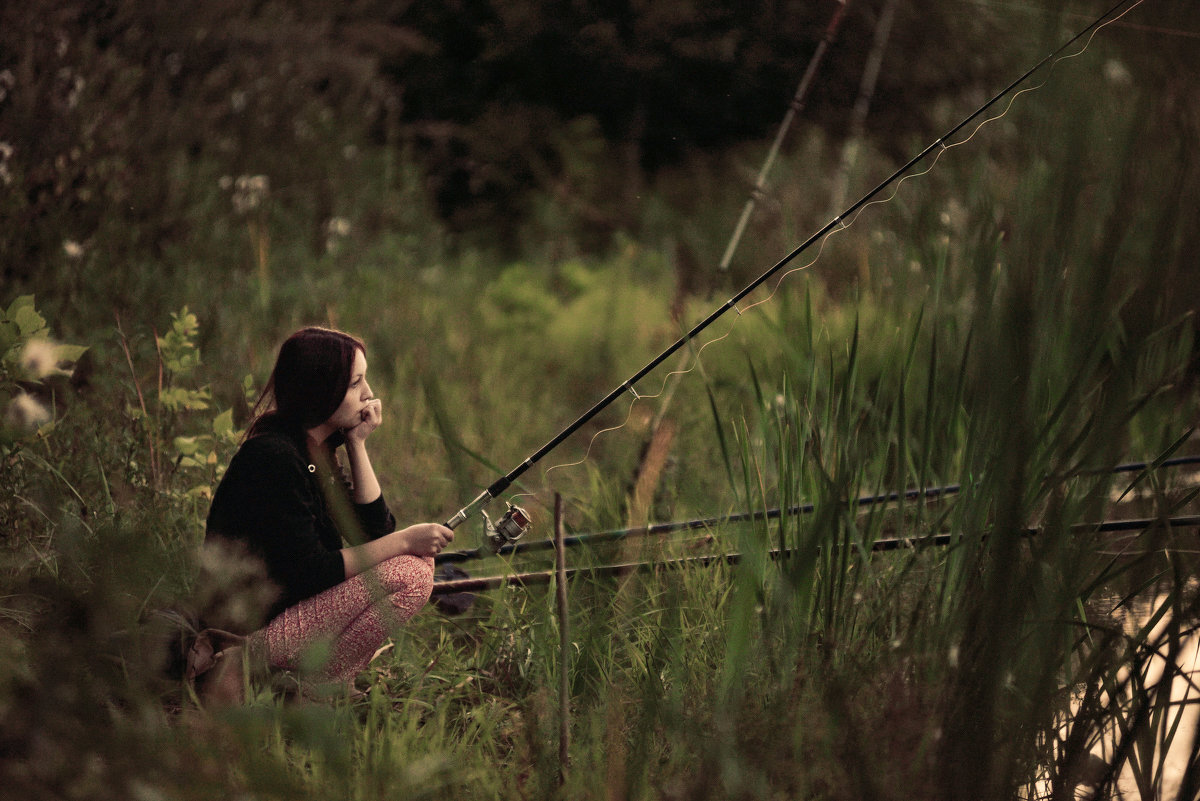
<point x="488" y="173"/>
<point x="517" y="205"/>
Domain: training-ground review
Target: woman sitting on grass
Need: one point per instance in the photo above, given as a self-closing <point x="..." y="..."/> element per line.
<point x="285" y="503"/>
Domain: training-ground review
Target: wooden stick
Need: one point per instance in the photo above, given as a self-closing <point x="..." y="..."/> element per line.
<point x="564" y="641"/>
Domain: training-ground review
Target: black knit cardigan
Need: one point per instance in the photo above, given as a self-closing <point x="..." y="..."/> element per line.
<point x="283" y="502"/>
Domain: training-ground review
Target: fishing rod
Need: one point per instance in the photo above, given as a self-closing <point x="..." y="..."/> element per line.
<point x="794" y="109"/>
<point x="927" y="494"/>
<point x="515" y="521"/>
<point x="472" y="585"/>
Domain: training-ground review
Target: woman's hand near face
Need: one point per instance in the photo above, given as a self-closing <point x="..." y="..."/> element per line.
<point x="370" y="419"/>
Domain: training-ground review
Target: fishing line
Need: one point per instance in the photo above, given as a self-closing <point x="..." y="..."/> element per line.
<point x="836" y="225"/>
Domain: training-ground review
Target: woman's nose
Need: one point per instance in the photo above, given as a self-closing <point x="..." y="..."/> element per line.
<point x="366" y="390"/>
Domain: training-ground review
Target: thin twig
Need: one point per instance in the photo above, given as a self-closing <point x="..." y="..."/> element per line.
<point x="137" y="385"/>
<point x="155" y="456"/>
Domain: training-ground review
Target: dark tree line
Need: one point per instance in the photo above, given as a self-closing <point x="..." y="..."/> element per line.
<point x="111" y="110"/>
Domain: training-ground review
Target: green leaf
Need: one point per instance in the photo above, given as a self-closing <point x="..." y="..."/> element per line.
<point x="69" y="353"/>
<point x="10" y="336"/>
<point x="187" y="445"/>
<point x="223" y="423"/>
<point x="29" y="321"/>
<point x="199" y="492"/>
<point x="180" y="398"/>
<point x="22" y="302"/>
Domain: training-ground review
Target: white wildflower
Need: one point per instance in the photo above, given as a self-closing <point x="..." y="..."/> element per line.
<point x="952" y="656"/>
<point x="1117" y="73"/>
<point x="954" y="216"/>
<point x="7" y="82"/>
<point x="73" y="249"/>
<point x="337" y="226"/>
<point x="336" y="229"/>
<point x="6" y="152"/>
<point x="75" y="90"/>
<point x="39" y="358"/>
<point x="143" y="791"/>
<point x="25" y="413"/>
<point x="250" y="192"/>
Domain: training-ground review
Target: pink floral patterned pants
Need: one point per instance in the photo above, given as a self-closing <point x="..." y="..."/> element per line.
<point x="353" y="618"/>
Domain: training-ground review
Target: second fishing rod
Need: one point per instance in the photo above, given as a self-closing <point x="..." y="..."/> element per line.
<point x="515" y="520"/>
<point x="926" y="494"/>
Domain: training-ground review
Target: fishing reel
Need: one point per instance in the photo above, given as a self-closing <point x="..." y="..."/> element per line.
<point x="507" y="530"/>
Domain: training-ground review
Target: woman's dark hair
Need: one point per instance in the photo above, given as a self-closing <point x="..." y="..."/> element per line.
<point x="309" y="382"/>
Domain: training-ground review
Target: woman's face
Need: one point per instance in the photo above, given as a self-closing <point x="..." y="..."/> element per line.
<point x="349" y="414"/>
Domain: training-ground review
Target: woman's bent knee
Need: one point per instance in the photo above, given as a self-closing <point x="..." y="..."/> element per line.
<point x="410" y="576"/>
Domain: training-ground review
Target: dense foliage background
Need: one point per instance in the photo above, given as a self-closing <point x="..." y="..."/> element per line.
<point x="517" y="205"/>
